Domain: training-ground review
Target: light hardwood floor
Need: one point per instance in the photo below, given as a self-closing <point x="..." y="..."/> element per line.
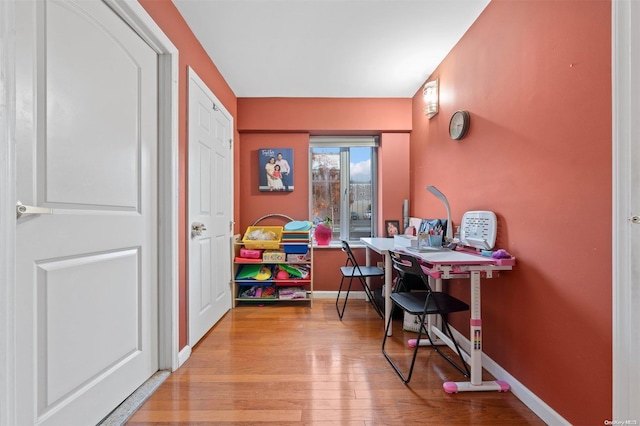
<point x="295" y="365"/>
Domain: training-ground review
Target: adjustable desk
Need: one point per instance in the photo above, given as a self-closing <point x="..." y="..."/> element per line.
<point x="448" y="264"/>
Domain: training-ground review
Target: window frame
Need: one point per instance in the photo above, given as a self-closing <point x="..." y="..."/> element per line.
<point x="345" y="143"/>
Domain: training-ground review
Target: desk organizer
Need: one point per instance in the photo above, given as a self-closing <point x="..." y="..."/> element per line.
<point x="405" y="241"/>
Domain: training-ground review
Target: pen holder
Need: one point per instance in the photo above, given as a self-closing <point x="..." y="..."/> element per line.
<point x="435" y="240"/>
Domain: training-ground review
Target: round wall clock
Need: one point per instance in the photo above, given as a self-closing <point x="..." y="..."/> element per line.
<point x="459" y="124"/>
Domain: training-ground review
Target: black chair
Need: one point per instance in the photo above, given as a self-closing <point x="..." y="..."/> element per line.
<point x="422" y="303"/>
<point x="350" y="271"/>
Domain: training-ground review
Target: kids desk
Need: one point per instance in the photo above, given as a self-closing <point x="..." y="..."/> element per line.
<point x="447" y="264"/>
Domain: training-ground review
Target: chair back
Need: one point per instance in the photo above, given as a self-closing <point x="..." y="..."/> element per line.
<point x="352" y="271"/>
<point x="407" y="264"/>
<point x="351" y="259"/>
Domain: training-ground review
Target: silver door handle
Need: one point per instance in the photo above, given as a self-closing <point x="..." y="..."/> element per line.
<point x="22" y="209"/>
<point x="197" y="229"/>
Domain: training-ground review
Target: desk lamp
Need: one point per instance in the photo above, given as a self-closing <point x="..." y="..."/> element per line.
<point x="435" y="191"/>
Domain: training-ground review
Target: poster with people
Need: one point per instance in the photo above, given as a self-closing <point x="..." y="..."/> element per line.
<point x="276" y="169"/>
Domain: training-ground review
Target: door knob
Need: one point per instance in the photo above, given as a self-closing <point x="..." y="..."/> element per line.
<point x="21" y="209"/>
<point x="197" y="229"/>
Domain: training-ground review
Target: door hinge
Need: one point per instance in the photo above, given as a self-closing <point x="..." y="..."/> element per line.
<point x="230" y="143"/>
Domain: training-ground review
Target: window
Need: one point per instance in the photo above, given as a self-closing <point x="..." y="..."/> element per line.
<point x="343" y="184"/>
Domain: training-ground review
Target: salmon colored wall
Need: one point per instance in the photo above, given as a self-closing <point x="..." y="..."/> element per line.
<point x="327" y="263"/>
<point x="393" y="182"/>
<point x="536" y="79"/>
<point x="287" y="123"/>
<point x="255" y="204"/>
<point x="191" y="54"/>
<point x="325" y="115"/>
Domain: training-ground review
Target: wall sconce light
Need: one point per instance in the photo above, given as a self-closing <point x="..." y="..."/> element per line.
<point x="430" y="93"/>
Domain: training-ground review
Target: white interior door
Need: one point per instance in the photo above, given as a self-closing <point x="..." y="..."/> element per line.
<point x="86" y="133"/>
<point x="210" y="195"/>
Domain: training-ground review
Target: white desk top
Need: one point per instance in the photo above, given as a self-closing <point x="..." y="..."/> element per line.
<point x="380" y="245"/>
<point x="439" y="257"/>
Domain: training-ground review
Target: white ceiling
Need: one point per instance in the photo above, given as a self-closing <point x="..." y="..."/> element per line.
<point x="328" y="48"/>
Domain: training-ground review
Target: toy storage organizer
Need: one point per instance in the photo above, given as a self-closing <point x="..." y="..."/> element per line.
<point x="273" y="264"/>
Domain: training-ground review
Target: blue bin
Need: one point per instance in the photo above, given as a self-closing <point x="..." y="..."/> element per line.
<point x="296" y="248"/>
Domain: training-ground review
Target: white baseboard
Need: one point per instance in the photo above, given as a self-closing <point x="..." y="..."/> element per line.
<point x="334" y="294"/>
<point x="184" y="355"/>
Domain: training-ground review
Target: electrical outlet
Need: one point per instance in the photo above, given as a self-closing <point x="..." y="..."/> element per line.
<point x="381" y="265"/>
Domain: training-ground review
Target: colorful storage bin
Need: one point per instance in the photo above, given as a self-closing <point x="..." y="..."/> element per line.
<point x="296" y="248"/>
<point x="262" y="237"/>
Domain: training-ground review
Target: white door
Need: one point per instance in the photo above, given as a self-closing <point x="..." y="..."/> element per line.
<point x="210" y="195"/>
<point x="86" y="133"/>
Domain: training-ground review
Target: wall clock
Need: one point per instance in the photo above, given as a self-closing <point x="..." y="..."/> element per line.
<point x="459" y="124"/>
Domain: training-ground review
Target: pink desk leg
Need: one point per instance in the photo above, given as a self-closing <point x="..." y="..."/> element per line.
<point x="476" y="383"/>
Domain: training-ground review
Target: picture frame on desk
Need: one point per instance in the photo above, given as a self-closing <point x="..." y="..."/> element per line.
<point x="391" y="228"/>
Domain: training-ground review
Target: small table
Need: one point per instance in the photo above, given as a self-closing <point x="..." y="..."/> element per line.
<point x="447" y="264"/>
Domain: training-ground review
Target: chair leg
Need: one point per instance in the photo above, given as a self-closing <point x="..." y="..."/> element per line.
<point x="367" y="291"/>
<point x="346" y="297"/>
<point x="405" y="379"/>
<point x="462" y="367"/>
<point x="384" y="341"/>
<point x="338" y="298"/>
<point x="422" y="330"/>
<point x="371" y="296"/>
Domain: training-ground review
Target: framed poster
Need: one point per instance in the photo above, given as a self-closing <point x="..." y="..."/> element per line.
<point x="276" y="169"/>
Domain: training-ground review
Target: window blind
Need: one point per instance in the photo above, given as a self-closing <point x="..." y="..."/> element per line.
<point x="342" y="141"/>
